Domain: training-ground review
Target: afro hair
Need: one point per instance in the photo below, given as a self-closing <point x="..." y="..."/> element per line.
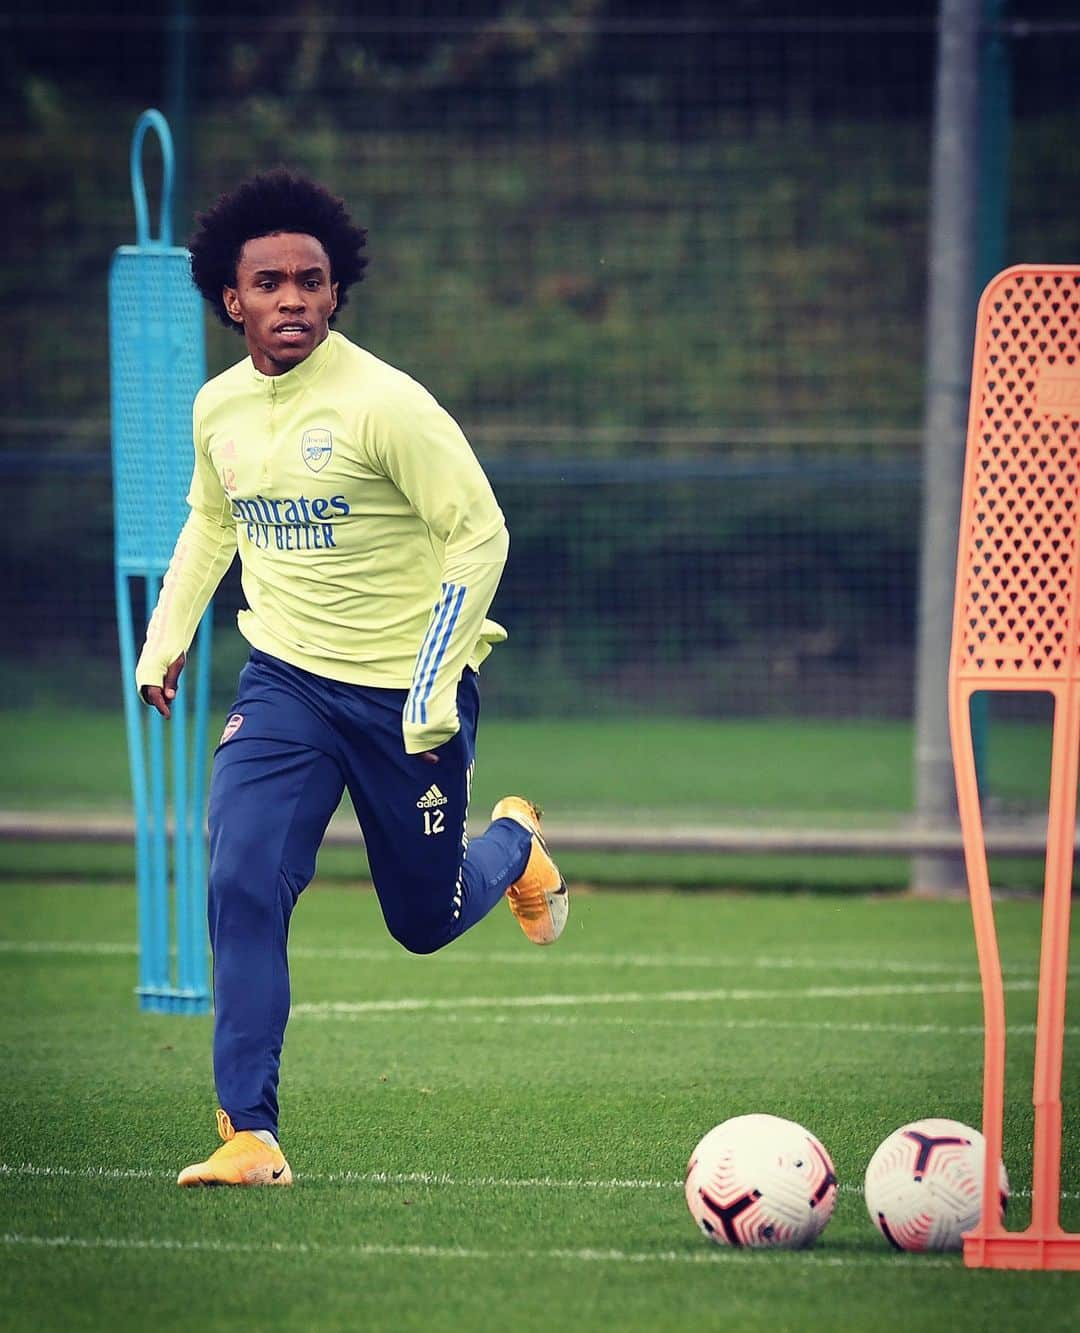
<point x="271" y="202"/>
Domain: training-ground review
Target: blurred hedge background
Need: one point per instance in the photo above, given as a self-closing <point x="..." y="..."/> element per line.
<point x="666" y="264"/>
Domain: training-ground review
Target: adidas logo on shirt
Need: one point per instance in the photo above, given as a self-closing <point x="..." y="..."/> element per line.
<point x="431" y="798"/>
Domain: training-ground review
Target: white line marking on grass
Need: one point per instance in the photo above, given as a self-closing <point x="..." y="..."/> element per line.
<point x="489" y="1182"/>
<point x="307" y="1249"/>
<point x="354" y="1178"/>
<point x="91" y="948"/>
<point x="408" y="1178"/>
<point x="717" y="1024"/>
<point x="83" y="1172"/>
<point x="533" y="958"/>
<point x="420" y="1003"/>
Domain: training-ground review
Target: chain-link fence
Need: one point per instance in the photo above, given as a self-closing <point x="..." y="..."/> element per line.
<point x="666" y="264"/>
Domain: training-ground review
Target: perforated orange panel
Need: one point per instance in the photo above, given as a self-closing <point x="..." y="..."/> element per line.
<point x="1017" y="604"/>
<point x="1016" y="627"/>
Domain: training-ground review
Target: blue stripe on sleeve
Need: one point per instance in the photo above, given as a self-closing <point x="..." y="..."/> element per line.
<point x="436" y="661"/>
<point x="431" y="638"/>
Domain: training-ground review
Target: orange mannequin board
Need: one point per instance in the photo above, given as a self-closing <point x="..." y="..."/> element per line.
<point x="1017" y="627"/>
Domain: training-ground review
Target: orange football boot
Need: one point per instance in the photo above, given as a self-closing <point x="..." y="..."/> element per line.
<point x="242" y="1159"/>
<point x="539" y="899"/>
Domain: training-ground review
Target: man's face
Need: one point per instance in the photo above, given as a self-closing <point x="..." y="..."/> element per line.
<point x="283" y="297"/>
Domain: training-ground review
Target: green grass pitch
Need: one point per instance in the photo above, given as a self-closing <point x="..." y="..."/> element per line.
<point x="667" y="769"/>
<point x="657" y="771"/>
<point x="494" y="1138"/>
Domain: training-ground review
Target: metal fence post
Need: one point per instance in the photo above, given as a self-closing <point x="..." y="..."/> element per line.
<point x="950" y="323"/>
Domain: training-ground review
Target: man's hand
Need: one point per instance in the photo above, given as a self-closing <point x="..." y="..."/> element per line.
<point x="161" y="696"/>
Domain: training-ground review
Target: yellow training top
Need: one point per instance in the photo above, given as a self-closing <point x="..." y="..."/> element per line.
<point x="370" y="540"/>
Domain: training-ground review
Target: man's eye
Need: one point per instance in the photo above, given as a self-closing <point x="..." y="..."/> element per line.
<point x="266" y="286"/>
<point x="313" y="283"/>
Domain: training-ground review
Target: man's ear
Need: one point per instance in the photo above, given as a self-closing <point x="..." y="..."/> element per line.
<point x="231" y="301"/>
<point x="333" y="293"/>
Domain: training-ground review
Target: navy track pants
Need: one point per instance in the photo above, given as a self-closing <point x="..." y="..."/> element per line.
<point x="294" y="742"/>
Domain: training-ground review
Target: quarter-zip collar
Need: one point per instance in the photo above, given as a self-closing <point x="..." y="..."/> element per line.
<point x="300" y="376"/>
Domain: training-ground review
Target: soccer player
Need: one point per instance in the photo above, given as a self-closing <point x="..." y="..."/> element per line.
<point x="371" y="546"/>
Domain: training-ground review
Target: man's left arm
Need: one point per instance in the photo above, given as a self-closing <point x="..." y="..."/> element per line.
<point x="457" y="636"/>
<point x="431" y="462"/>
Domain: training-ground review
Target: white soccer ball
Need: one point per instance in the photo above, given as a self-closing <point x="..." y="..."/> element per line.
<point x="761" y="1181"/>
<point x="924" y="1184"/>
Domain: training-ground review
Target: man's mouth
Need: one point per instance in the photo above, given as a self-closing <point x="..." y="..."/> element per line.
<point x="294" y="328"/>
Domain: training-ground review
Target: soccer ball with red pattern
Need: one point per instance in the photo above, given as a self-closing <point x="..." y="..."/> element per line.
<point x="762" y="1182"/>
<point x="924" y="1185"/>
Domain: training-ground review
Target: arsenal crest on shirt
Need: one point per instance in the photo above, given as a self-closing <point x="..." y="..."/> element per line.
<point x="316" y="446"/>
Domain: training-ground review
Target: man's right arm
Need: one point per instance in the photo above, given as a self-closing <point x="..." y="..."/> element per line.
<point x="203" y="552"/>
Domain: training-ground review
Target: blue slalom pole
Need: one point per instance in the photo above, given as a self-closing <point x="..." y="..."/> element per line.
<point x="159" y="844"/>
<point x="133" y="719"/>
<point x="181" y="840"/>
<point x="196" y="903"/>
